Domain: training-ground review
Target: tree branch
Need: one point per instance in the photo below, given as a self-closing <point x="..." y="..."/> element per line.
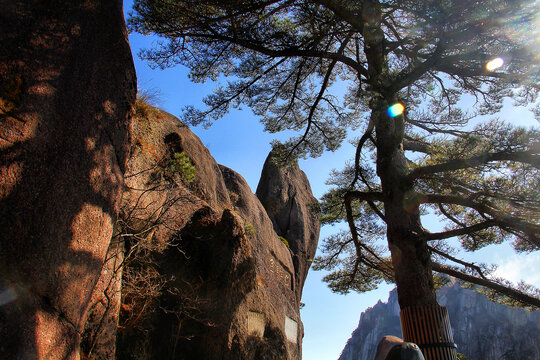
<point x="376" y="210"/>
<point x="359" y="147"/>
<point x="503" y="220"/>
<point x="363" y="196"/>
<point x="461" y="231"/>
<point x="415" y="145"/>
<point x="322" y="90"/>
<point x="432" y="130"/>
<point x="352" y="19"/>
<point x="285" y="52"/>
<point x="528" y="157"/>
<point x="367" y="196"/>
<point x="409" y="76"/>
<point x="459" y="261"/>
<point x="511" y="293"/>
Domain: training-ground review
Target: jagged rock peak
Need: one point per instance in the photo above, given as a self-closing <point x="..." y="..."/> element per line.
<point x="286" y="195"/>
<point x="482" y="329"/>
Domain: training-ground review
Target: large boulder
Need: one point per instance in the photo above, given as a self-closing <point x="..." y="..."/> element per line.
<point x="285" y="193"/>
<point x="272" y="308"/>
<point x="206" y="275"/>
<point x="67" y="84"/>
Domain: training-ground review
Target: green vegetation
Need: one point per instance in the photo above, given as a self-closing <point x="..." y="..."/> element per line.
<point x="281" y="156"/>
<point x="181" y="164"/>
<point x="315" y="208"/>
<point x="421" y="77"/>
<point x="249" y="229"/>
<point x="283" y="240"/>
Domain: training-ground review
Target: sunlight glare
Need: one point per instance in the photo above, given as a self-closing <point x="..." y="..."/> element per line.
<point x="494" y="64"/>
<point x="395" y="110"/>
<point x="7" y="296"/>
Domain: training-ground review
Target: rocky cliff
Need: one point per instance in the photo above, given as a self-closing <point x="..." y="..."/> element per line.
<point x="67" y="84"/>
<point x="206" y="274"/>
<point x="482" y="329"/>
<point x="121" y="236"/>
<point x="290" y="204"/>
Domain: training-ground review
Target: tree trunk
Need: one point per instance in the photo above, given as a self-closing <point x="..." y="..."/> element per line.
<point x="424" y="322"/>
<point x="410" y="254"/>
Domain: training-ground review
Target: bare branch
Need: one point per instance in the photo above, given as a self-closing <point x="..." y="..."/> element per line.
<point x="459" y="261"/>
<point x="361" y="143"/>
<point x="461" y="231"/>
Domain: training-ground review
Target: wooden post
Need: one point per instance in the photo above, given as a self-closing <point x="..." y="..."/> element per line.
<point x="429" y="328"/>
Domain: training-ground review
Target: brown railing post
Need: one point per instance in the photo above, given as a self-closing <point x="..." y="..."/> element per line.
<point x="429" y="328"/>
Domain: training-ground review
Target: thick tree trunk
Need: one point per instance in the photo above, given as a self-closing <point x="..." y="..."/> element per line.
<point x="424" y="322"/>
<point x="410" y="254"/>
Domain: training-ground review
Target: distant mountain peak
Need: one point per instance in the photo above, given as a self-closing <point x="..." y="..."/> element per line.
<point x="482" y="329"/>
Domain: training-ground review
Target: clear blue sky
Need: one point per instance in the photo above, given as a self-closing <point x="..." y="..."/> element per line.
<point x="238" y="141"/>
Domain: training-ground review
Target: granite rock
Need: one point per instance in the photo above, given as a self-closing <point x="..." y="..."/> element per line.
<point x="286" y="195"/>
<point x="225" y="284"/>
<point x="67" y="85"/>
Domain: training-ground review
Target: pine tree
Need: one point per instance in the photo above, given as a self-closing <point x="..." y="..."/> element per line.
<point x="409" y="66"/>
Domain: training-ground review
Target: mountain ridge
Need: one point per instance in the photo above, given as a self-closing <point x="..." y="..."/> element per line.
<point x="482" y="329"/>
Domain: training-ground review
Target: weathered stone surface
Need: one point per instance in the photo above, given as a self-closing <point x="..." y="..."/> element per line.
<point x="181" y="244"/>
<point x="196" y="255"/>
<point x="481" y="329"/>
<point x="67" y="83"/>
<point x="286" y="195"/>
<point x="224" y="282"/>
<point x="274" y="295"/>
<point x="98" y="340"/>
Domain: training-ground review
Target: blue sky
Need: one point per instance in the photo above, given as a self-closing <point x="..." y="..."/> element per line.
<point x="238" y="141"/>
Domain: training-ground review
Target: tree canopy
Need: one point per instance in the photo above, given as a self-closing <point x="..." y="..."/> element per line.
<point x="424" y="82"/>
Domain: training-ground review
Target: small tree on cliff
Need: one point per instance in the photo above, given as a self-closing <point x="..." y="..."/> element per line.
<point x="424" y="57"/>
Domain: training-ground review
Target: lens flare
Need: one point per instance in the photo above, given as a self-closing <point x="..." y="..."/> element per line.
<point x="494" y="64"/>
<point x="7" y="296"/>
<point x="395" y="110"/>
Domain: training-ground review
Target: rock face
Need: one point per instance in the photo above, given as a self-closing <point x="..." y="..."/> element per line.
<point x="286" y="195"/>
<point x="67" y="84"/>
<point x="482" y="329"/>
<point x="192" y="268"/>
<point x="376" y="322"/>
<point x="206" y="275"/>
